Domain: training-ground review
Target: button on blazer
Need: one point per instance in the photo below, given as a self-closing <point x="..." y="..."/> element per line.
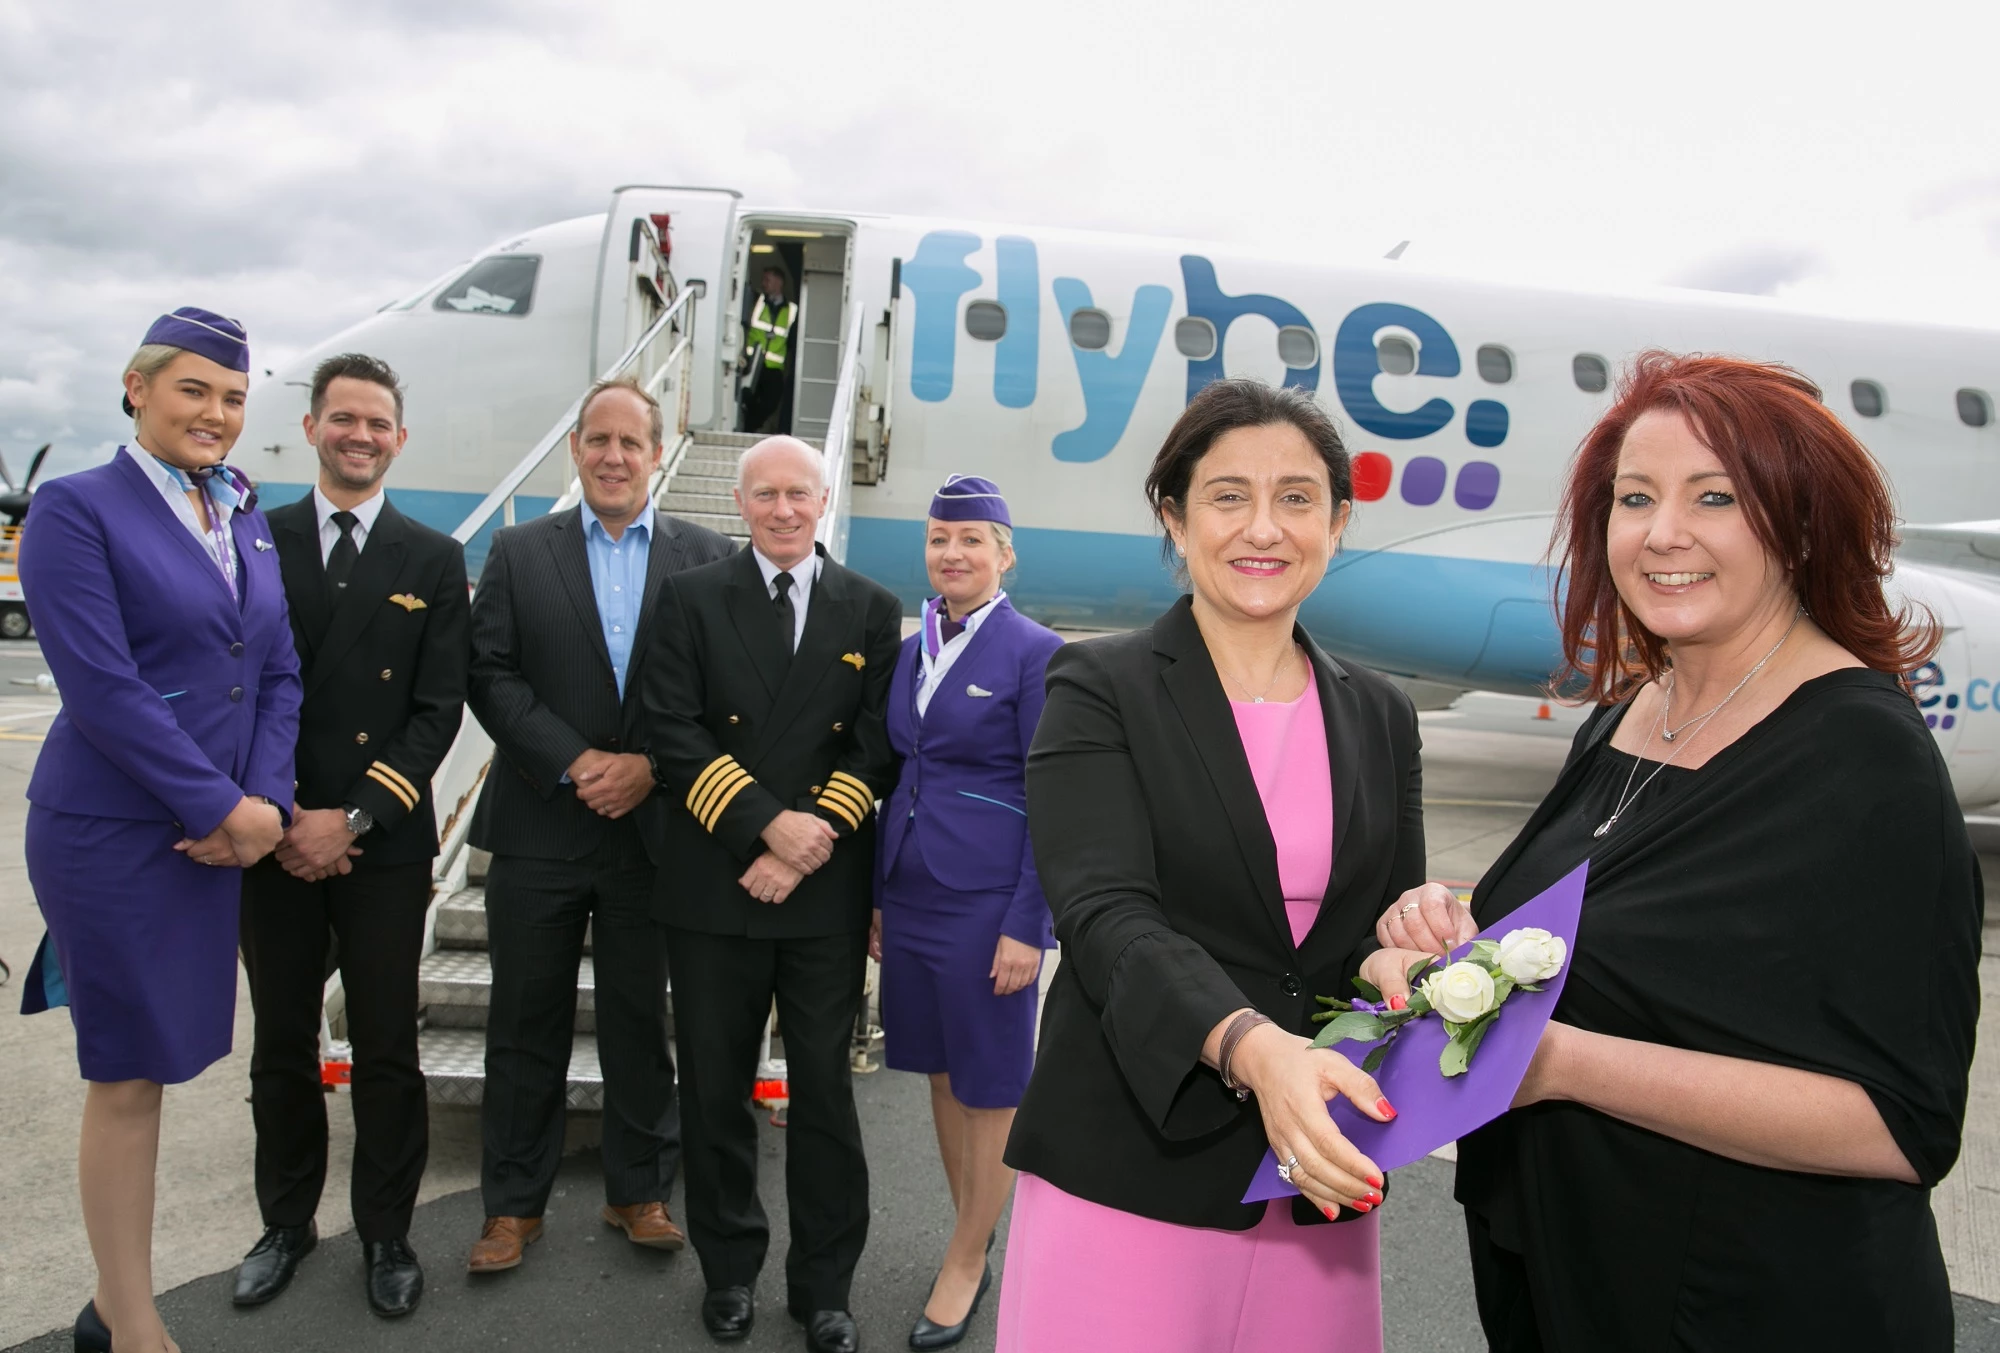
<point x="1162" y="874"/>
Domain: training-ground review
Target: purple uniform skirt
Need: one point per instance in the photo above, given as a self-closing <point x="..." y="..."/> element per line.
<point x="939" y="1013"/>
<point x="145" y="940"/>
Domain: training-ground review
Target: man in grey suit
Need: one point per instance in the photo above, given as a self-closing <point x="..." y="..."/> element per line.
<point x="560" y="627"/>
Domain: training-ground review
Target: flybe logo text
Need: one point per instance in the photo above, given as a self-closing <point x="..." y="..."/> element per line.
<point x="939" y="277"/>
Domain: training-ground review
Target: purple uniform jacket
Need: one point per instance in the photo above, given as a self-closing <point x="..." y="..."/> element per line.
<point x="962" y="790"/>
<point x="176" y="701"/>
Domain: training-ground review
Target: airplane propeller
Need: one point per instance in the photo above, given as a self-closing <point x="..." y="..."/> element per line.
<point x="14" y="503"/>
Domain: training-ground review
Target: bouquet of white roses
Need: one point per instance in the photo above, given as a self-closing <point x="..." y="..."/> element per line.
<point x="1466" y="995"/>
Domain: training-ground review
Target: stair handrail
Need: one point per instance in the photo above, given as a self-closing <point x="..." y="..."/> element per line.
<point x="837" y="451"/>
<point x="558" y="433"/>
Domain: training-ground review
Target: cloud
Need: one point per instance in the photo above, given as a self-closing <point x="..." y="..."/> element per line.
<point x="1755" y="269"/>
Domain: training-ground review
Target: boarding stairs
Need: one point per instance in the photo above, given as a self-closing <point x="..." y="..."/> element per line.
<point x="696" y="480"/>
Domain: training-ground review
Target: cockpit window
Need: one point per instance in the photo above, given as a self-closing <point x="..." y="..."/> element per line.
<point x="503" y="284"/>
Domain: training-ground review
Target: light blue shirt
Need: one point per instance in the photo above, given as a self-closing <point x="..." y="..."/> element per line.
<point x="174" y="487"/>
<point x="618" y="578"/>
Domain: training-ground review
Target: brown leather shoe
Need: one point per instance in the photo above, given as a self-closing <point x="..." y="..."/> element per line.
<point x="501" y="1241"/>
<point x="646" y="1224"/>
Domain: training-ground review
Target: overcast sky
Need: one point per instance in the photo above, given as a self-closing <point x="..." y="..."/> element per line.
<point x="298" y="165"/>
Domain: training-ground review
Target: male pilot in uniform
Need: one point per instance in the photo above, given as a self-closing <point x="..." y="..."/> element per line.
<point x="559" y="631"/>
<point x="767" y="347"/>
<point x="379" y="612"/>
<point x="767" y="694"/>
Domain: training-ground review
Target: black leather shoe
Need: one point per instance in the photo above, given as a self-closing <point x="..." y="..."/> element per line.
<point x="395" y="1278"/>
<point x="727" y="1313"/>
<point x="928" y="1334"/>
<point x="272" y="1261"/>
<point x="90" y="1335"/>
<point x="830" y="1332"/>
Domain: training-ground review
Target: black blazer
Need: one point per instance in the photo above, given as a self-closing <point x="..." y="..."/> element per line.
<point x="1162" y="874"/>
<point x="384" y="669"/>
<point x="542" y="683"/>
<point x="740" y="735"/>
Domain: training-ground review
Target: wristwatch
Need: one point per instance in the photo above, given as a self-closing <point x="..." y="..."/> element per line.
<point x="359" y="820"/>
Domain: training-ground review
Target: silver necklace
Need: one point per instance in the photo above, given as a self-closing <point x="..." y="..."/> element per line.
<point x="1628" y="795"/>
<point x="1283" y="668"/>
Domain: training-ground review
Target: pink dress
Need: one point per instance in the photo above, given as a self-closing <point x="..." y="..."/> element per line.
<point x="1081" y="1276"/>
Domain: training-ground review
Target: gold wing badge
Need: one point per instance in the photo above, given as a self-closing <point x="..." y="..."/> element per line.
<point x="855" y="658"/>
<point x="409" y="601"/>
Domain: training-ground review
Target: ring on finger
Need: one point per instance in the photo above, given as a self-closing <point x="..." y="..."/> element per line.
<point x="1408" y="907"/>
<point x="1285" y="1170"/>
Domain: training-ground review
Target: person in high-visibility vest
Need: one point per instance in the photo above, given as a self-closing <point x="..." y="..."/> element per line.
<point x="766" y="361"/>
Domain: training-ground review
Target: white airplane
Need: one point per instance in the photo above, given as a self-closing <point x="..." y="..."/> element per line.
<point x="1053" y="361"/>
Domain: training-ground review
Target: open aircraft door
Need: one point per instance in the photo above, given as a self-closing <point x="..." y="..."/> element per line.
<point x="871" y="432"/>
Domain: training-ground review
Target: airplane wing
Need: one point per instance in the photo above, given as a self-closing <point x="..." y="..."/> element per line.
<point x="1973" y="546"/>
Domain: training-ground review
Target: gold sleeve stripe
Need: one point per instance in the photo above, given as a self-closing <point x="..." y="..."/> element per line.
<point x="400" y="779"/>
<point x="833" y="805"/>
<point x="715" y="813"/>
<point x="714" y="771"/>
<point x="854" y="802"/>
<point x="730" y="779"/>
<point x="402" y="796"/>
<point x="861" y="791"/>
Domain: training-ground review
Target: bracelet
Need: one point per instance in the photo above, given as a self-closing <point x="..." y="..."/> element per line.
<point x="1245" y="1021"/>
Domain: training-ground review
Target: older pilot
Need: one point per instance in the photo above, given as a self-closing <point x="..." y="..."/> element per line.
<point x="962" y="921"/>
<point x="154" y="587"/>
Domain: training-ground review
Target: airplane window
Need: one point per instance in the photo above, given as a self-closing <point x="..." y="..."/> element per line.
<point x="1396" y="356"/>
<point x="1868" y="399"/>
<point x="1590" y="373"/>
<point x="1298" y="347"/>
<point x="1090" y="329"/>
<point x="1194" y="338"/>
<point x="986" y="319"/>
<point x="503" y="284"/>
<point x="1496" y="365"/>
<point x="1975" y="410"/>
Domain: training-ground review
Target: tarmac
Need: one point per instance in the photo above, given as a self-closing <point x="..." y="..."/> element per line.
<point x="1486" y="763"/>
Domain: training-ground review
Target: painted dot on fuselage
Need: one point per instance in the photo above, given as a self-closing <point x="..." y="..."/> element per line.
<point x="1372" y="473"/>
<point x="1949" y="720"/>
<point x="1423" y="481"/>
<point x="1930" y="721"/>
<point x="1951" y="702"/>
<point x="1478" y="485"/>
<point x="1485" y="422"/>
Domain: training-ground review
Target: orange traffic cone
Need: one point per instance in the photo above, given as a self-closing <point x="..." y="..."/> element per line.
<point x="1542" y="712"/>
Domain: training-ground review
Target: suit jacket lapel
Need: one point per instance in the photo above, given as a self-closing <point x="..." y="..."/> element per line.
<point x="1197" y="694"/>
<point x="368" y="588"/>
<point x="751" y="611"/>
<point x="572" y="565"/>
<point x="155" y="507"/>
<point x="294" y="528"/>
<point x="976" y="649"/>
<point x="663" y="556"/>
<point x="827" y="616"/>
<point x="1339" y="710"/>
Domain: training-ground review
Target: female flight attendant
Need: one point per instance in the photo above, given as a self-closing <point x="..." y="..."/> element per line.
<point x="154" y="589"/>
<point x="963" y="921"/>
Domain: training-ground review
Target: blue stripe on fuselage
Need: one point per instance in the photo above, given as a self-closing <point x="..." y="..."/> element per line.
<point x="1476" y="621"/>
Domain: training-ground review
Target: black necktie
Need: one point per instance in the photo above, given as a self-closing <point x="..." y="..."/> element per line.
<point x="340" y="560"/>
<point x="788" y="616"/>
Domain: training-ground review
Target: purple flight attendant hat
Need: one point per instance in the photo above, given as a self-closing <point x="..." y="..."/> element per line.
<point x="203" y="332"/>
<point x="966" y="497"/>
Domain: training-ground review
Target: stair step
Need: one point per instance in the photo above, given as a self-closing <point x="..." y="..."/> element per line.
<point x="461" y="921"/>
<point x="454" y="1063"/>
<point x="710" y="504"/>
<point x="734" y="441"/>
<point x="463" y="979"/>
<point x="707" y="467"/>
<point x="730" y="525"/>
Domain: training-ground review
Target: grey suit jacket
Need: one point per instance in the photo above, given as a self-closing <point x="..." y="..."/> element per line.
<point x="542" y="684"/>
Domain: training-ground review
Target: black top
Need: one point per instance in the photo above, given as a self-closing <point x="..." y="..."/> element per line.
<point x="1807" y="898"/>
<point x="384" y="667"/>
<point x="542" y="683"/>
<point x="744" y="728"/>
<point x="1161" y="871"/>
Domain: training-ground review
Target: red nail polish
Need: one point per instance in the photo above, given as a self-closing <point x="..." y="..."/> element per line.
<point x="1362" y="1205"/>
<point x="1375" y="1199"/>
<point x="1329" y="1213"/>
<point x="1375" y="1182"/>
<point x="1385" y="1108"/>
<point x="1398" y="1003"/>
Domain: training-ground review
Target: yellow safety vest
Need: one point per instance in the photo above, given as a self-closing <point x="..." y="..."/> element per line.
<point x="768" y="331"/>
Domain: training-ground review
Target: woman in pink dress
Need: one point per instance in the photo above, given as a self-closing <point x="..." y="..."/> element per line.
<point x="1219" y="811"/>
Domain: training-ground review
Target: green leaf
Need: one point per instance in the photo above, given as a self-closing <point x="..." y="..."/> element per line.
<point x="1475" y="1034"/>
<point x="1369" y="991"/>
<point x="1420" y="1004"/>
<point x="1502" y="985"/>
<point x="1455" y="1057"/>
<point x="1486" y="951"/>
<point x="1357" y="1025"/>
<point x="1373" y="1060"/>
<point x="1416" y="968"/>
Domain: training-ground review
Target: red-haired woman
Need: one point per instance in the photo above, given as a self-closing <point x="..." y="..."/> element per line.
<point x="1758" y="1070"/>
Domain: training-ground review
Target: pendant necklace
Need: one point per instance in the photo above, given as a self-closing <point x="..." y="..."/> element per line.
<point x="1283" y="668"/>
<point x="1627" y="795"/>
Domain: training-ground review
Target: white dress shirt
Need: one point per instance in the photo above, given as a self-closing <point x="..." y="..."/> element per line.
<point x="930" y="679"/>
<point x="174" y="488"/>
<point x="804" y="574"/>
<point x="364" y="520"/>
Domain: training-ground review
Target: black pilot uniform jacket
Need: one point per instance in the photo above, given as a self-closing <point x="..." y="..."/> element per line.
<point x="385" y="673"/>
<point x="742" y="732"/>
